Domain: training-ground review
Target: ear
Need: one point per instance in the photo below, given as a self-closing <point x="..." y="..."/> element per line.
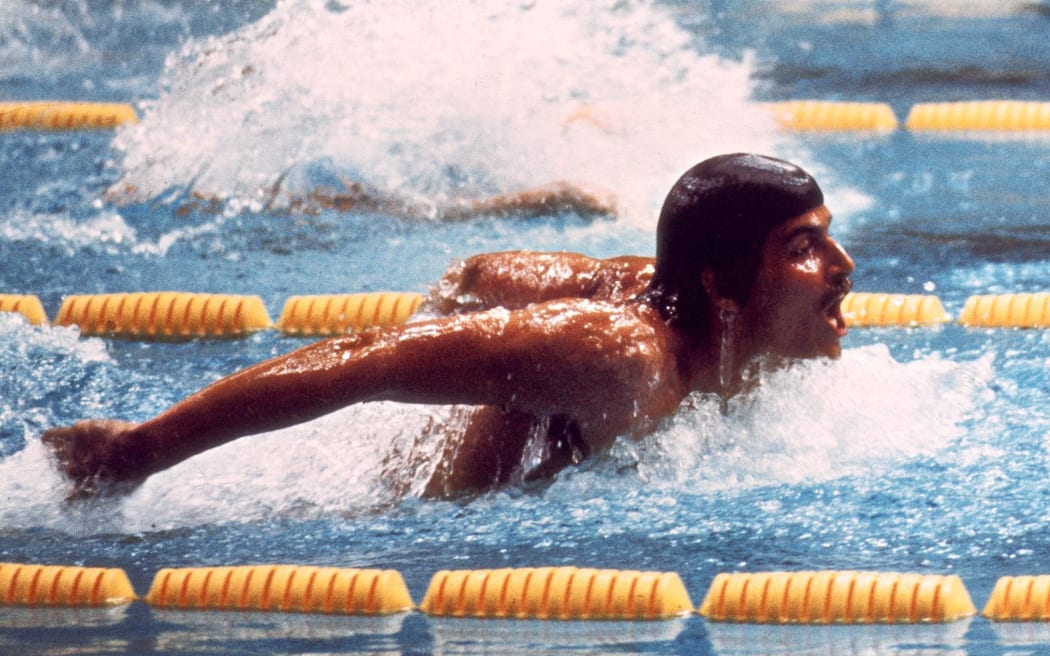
<point x="707" y="279"/>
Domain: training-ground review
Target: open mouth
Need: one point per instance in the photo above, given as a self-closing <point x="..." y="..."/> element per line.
<point x="833" y="310"/>
<point x="833" y="317"/>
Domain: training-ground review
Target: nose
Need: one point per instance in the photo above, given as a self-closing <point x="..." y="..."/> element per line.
<point x="842" y="266"/>
<point x="845" y="261"/>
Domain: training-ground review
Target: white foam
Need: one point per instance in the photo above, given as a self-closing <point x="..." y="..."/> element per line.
<point x="433" y="100"/>
<point x="106" y="231"/>
<point x="816" y="421"/>
<point x="40" y="363"/>
<point x="343" y="463"/>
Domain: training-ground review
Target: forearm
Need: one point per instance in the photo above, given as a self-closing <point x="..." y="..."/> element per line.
<point x="281" y="392"/>
<point x="440" y="362"/>
<point x="278" y="393"/>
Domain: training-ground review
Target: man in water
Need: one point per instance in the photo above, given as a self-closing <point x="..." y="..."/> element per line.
<point x="745" y="271"/>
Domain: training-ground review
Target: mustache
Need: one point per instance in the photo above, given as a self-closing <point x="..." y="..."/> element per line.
<point x="837" y="290"/>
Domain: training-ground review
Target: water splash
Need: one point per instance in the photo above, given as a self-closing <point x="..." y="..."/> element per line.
<point x="104" y="232"/>
<point x="339" y="464"/>
<point x="815" y="421"/>
<point x="435" y="101"/>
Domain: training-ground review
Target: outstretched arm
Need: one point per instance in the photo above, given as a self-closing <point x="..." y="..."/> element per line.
<point x="277" y="393"/>
<point x="551" y="359"/>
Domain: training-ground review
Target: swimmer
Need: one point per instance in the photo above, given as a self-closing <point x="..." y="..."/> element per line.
<point x="745" y="271"/>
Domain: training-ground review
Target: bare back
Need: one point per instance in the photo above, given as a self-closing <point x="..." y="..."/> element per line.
<point x="515" y="279"/>
<point x="580" y="373"/>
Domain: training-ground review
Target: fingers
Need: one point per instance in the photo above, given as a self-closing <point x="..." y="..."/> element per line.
<point x="90" y="455"/>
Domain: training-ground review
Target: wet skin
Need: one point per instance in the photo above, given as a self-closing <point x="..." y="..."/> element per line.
<point x="608" y="369"/>
<point x="794" y="309"/>
<point x="578" y="371"/>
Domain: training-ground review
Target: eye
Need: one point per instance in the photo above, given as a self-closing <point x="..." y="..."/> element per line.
<point x="801" y="246"/>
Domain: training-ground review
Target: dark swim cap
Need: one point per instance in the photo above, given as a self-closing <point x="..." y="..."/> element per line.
<point x="718" y="215"/>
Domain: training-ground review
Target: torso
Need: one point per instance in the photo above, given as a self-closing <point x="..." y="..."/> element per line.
<point x="639" y="381"/>
<point x="620" y="379"/>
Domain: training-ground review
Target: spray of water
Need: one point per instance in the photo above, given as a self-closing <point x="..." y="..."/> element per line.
<point x="433" y="101"/>
<point x="816" y="421"/>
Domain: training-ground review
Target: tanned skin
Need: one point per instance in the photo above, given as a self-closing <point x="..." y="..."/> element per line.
<point x="581" y="350"/>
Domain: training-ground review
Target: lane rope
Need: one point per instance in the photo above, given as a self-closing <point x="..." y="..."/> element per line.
<point x="546" y="593"/>
<point x="830" y="116"/>
<point x="801" y="115"/>
<point x="556" y="593"/>
<point x="60" y="585"/>
<point x="164" y="315"/>
<point x="61" y="115"/>
<point x="876" y="309"/>
<point x="836" y="597"/>
<point x="282" y="588"/>
<point x="979" y="115"/>
<point x="1007" y="311"/>
<point x="186" y="315"/>
<point x="336" y="314"/>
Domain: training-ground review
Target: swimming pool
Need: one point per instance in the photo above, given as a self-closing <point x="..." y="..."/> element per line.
<point x="920" y="450"/>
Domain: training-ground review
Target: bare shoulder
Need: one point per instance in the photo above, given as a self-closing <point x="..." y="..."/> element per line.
<point x="598" y="321"/>
<point x="613" y="365"/>
<point x="515" y="279"/>
<point x="625" y="343"/>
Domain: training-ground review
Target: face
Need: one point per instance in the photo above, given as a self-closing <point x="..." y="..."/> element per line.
<point x="794" y="309"/>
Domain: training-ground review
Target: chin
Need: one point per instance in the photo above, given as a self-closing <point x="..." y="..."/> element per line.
<point x="831" y="350"/>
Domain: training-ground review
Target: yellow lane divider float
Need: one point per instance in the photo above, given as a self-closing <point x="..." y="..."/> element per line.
<point x="559" y="593"/>
<point x="546" y="593"/>
<point x="46" y="115"/>
<point x="869" y="309"/>
<point x="338" y="314"/>
<point x="56" y="585"/>
<point x="794" y="115"/>
<point x="827" y="116"/>
<point x="977" y="115"/>
<point x="282" y="588"/>
<point x="830" y="597"/>
<point x="27" y="305"/>
<point x="1019" y="599"/>
<point x="181" y="315"/>
<point x="981" y="115"/>
<point x="1007" y="311"/>
<point x="165" y="315"/>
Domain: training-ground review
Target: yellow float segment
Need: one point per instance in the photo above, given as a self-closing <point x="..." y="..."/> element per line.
<point x="338" y="314"/>
<point x="874" y="309"/>
<point x="284" y="588"/>
<point x="27" y="305"/>
<point x="164" y="315"/>
<point x="58" y="585"/>
<point x="64" y="115"/>
<point x="980" y="115"/>
<point x="1019" y="599"/>
<point x="836" y="597"/>
<point x="827" y="116"/>
<point x="1007" y="311"/>
<point x="560" y="593"/>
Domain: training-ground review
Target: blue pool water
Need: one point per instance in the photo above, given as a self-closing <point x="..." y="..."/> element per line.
<point x="921" y="450"/>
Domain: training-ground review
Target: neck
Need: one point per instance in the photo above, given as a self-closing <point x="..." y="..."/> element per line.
<point x="719" y="361"/>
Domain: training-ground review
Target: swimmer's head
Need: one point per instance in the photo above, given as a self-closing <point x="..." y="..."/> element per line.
<point x="717" y="217"/>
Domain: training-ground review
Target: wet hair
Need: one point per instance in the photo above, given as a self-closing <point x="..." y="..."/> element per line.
<point x="718" y="215"/>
